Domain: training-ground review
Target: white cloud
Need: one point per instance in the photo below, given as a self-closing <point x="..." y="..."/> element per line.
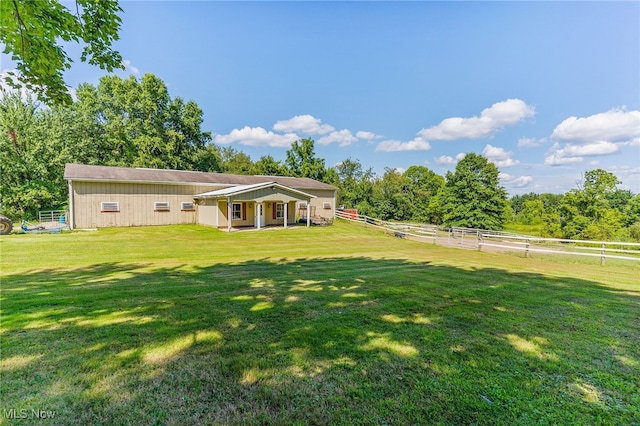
<point x="285" y="132"/>
<point x="499" y="156"/>
<point x="342" y="137"/>
<point x="516" y="182"/>
<point x="625" y="170"/>
<point x="447" y="160"/>
<point x="572" y="153"/>
<point x="616" y="125"/>
<point x="590" y="149"/>
<point x="417" y="144"/>
<point x="303" y="123"/>
<point x="531" y="143"/>
<point x="504" y="176"/>
<point x="367" y="135"/>
<point x="558" y="160"/>
<point x="256" y="136"/>
<point x="600" y="134"/>
<point x="490" y="121"/>
<point x="128" y="66"/>
<point x="557" y="157"/>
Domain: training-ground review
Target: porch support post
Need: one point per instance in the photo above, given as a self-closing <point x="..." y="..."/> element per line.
<point x="308" y="212"/>
<point x="215" y="203"/>
<point x="228" y="214"/>
<point x="286" y="213"/>
<point x="258" y="214"/>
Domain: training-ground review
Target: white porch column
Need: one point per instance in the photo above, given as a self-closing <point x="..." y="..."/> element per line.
<point x="308" y="213"/>
<point x="258" y="214"/>
<point x="229" y="214"/>
<point x="286" y="213"/>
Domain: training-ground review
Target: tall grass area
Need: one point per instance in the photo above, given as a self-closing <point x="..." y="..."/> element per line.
<point x="332" y="325"/>
<point x="519" y="228"/>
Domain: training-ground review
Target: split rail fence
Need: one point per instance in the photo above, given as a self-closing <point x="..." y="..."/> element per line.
<point x="497" y="241"/>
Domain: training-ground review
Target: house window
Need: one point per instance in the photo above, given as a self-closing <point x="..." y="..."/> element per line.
<point x="303" y="205"/>
<point x="161" y="206"/>
<point x="326" y="205"/>
<point x="236" y="211"/>
<point x="279" y="211"/>
<point x="109" y="206"/>
<point x="186" y="206"/>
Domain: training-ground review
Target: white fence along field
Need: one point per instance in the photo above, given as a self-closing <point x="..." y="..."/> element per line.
<point x="480" y="239"/>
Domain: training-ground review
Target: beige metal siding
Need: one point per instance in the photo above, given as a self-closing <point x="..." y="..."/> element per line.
<point x="208" y="212"/>
<point x="136" y="202"/>
<point x="318" y="203"/>
<point x="222" y="214"/>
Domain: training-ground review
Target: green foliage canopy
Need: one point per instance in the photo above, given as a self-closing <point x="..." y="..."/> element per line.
<point x="472" y="196"/>
<point x="31" y="31"/>
<point x="303" y="162"/>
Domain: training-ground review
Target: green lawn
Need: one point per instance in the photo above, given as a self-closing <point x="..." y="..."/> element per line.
<point x="335" y="325"/>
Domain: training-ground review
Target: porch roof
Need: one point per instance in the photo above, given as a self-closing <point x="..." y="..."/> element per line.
<point x="243" y="189"/>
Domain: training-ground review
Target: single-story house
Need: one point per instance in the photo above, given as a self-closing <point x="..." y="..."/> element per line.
<point x="104" y="196"/>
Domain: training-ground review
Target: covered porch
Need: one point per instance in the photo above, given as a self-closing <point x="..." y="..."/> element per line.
<point x="258" y="206"/>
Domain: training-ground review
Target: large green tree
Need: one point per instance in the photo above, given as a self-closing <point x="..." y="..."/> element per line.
<point x="235" y="162"/>
<point x="355" y="185"/>
<point x="303" y="162"/>
<point x="33" y="152"/>
<point x="32" y="32"/>
<point x="135" y="122"/>
<point x="472" y="196"/>
<point x="391" y="197"/>
<point x="586" y="212"/>
<point x="268" y="166"/>
<point x="423" y="187"/>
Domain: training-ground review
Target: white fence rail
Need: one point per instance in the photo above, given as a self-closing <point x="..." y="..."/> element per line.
<point x="500" y="241"/>
<point x="400" y="230"/>
<point x="602" y="249"/>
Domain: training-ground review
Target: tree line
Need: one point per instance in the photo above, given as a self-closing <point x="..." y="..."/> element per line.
<point x="134" y="122"/>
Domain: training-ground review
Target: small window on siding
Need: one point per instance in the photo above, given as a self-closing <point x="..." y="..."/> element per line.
<point x="186" y="206"/>
<point x="161" y="206"/>
<point x="109" y="206"/>
<point x="326" y="205"/>
<point x="303" y="205"/>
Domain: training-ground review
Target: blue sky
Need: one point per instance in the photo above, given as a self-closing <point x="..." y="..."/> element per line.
<point x="545" y="90"/>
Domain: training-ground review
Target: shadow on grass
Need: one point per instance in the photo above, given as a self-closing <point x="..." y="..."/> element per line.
<point x="317" y="341"/>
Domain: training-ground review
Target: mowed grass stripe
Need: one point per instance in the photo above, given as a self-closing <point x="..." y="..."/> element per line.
<point x="336" y="325"/>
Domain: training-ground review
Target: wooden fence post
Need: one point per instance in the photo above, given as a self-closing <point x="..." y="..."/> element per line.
<point x="602" y="254"/>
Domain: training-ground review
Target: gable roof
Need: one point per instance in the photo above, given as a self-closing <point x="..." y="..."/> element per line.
<point x="243" y="189"/>
<point x="83" y="172"/>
